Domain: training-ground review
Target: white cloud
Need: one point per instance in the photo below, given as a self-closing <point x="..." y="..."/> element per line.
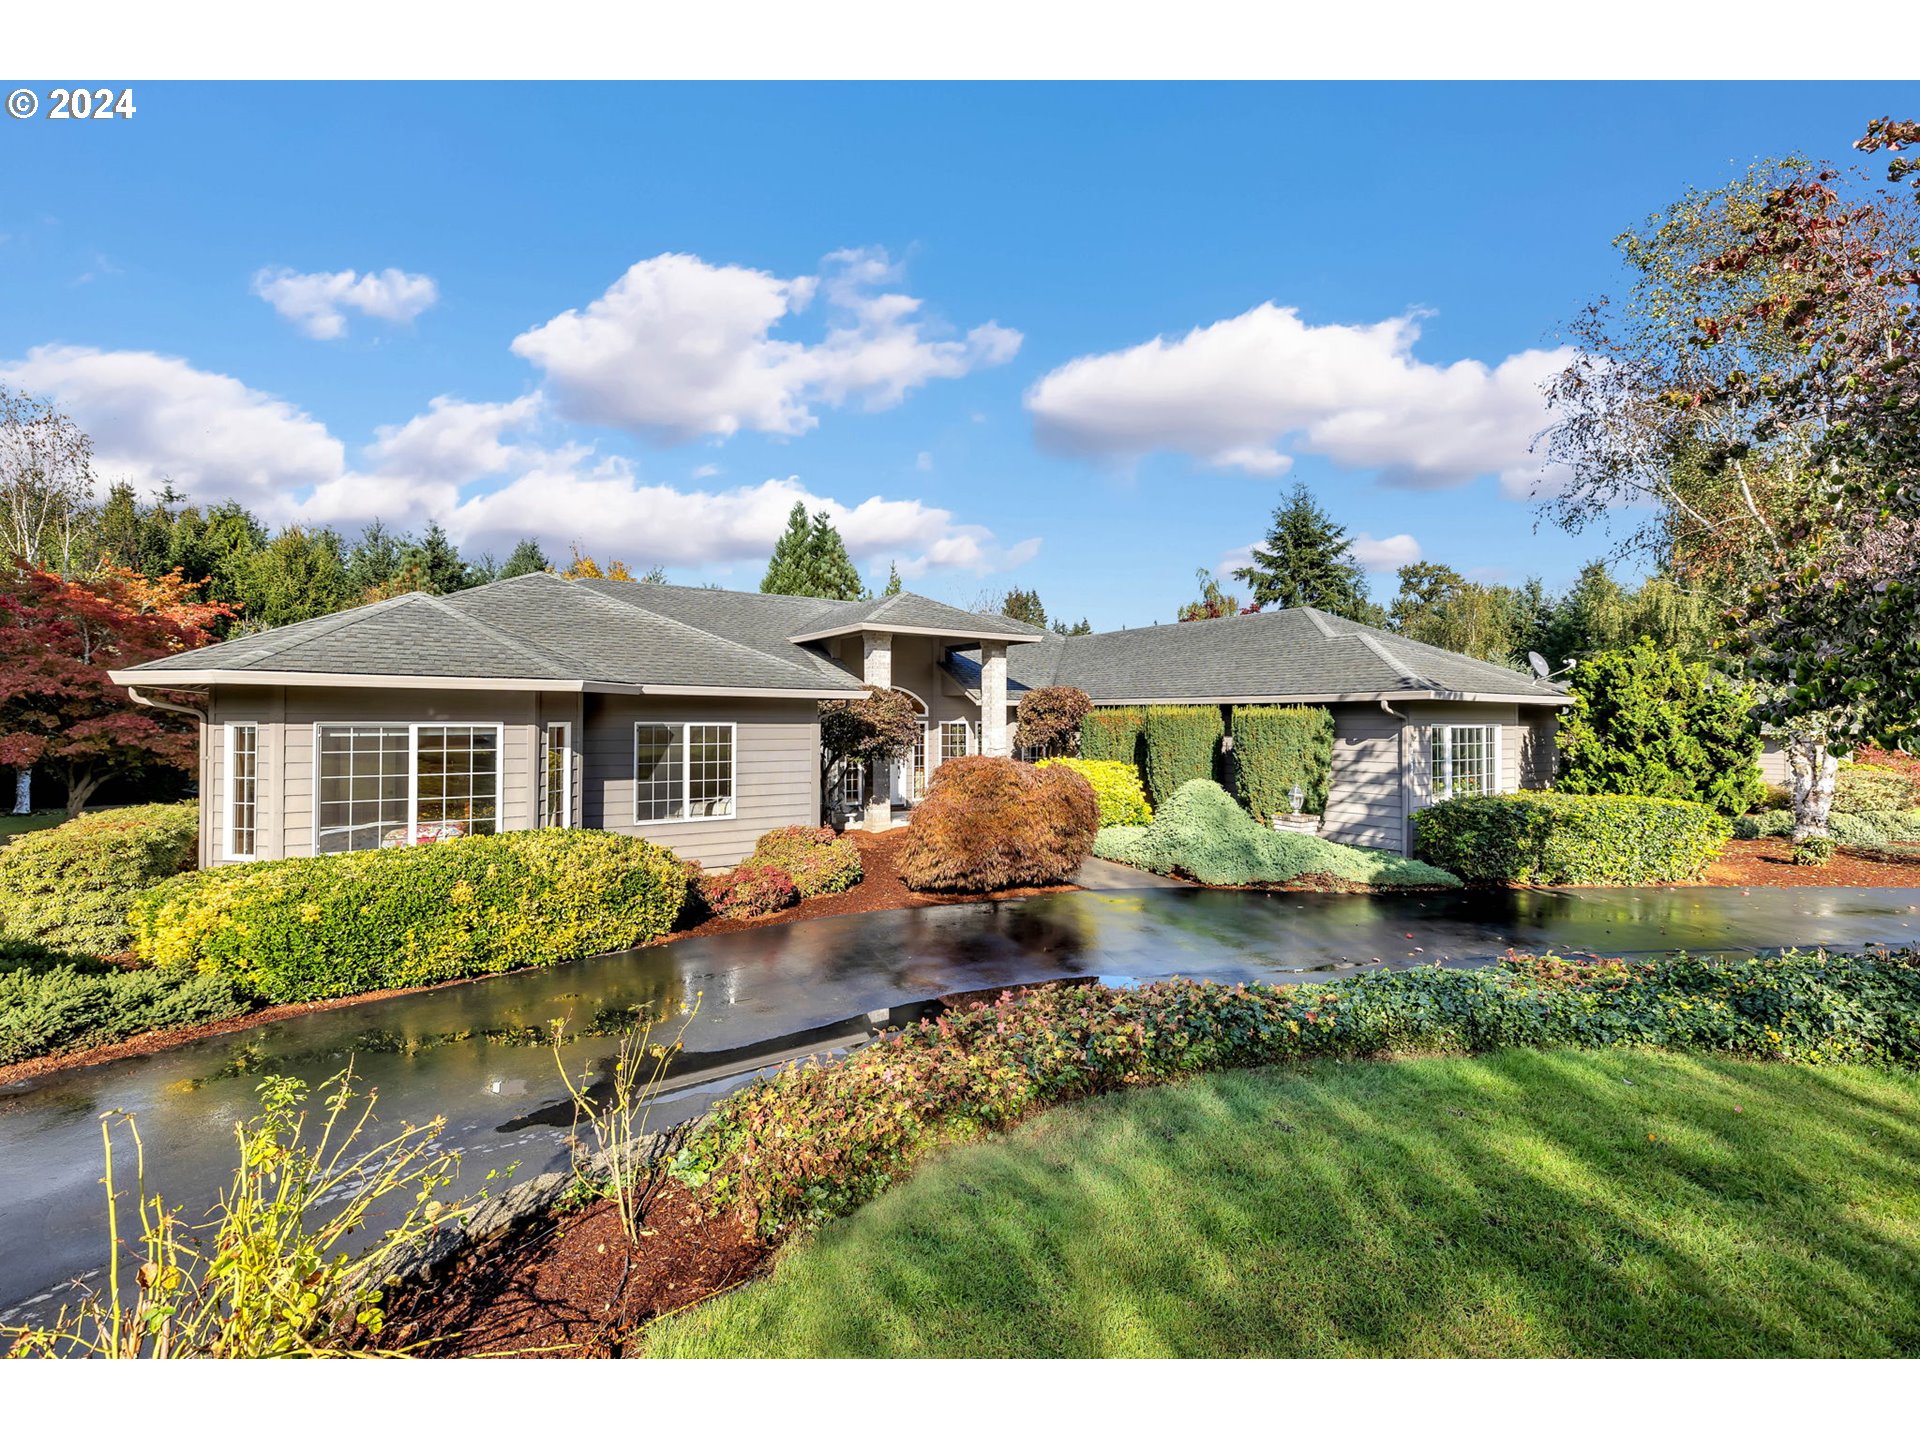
<point x="455" y="440"/>
<point x="315" y="301"/>
<point x="678" y="348"/>
<point x="1252" y="392"/>
<point x="155" y="417"/>
<point x="1380" y="556"/>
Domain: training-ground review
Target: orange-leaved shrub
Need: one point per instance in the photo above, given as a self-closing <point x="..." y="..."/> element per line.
<point x="992" y="824"/>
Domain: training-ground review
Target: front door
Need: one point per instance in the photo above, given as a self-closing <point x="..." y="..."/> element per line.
<point x="910" y="771"/>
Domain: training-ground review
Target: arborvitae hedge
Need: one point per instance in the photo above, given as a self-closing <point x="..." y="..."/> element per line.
<point x="1276" y="747"/>
<point x="1112" y="734"/>
<point x="1179" y="744"/>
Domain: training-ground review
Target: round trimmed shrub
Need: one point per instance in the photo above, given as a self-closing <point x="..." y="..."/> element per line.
<point x="69" y="887"/>
<point x="819" y="859"/>
<point x="1116" y="789"/>
<point x="1866" y="789"/>
<point x="1541" y="837"/>
<point x="1814" y="850"/>
<point x="332" y="925"/>
<point x="990" y="824"/>
<point x="752" y="888"/>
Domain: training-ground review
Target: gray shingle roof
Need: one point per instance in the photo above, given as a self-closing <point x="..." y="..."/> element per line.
<point x="541" y="628"/>
<point x="1280" y="654"/>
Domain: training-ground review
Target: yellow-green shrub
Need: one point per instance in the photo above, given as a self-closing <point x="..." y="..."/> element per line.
<point x="69" y="887"/>
<point x="1112" y="733"/>
<point x="1116" y="787"/>
<point x="312" y="929"/>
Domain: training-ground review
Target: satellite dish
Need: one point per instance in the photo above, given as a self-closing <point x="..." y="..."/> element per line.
<point x="1538" y="662"/>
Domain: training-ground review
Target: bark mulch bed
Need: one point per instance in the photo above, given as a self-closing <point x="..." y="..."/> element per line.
<point x="880" y="888"/>
<point x="569" y="1285"/>
<point x="1769" y="863"/>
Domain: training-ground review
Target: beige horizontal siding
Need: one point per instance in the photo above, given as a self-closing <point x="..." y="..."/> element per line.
<point x="1364" y="792"/>
<point x="776" y="771"/>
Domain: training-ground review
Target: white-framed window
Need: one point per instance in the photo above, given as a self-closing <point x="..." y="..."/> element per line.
<point x="378" y="786"/>
<point x="849" y="790"/>
<point x="682" y="771"/>
<point x="956" y="739"/>
<point x="242" y="808"/>
<point x="1465" y="760"/>
<point x="556" y="775"/>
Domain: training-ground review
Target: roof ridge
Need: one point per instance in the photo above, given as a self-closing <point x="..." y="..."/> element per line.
<point x="605" y="599"/>
<point x="1393" y="662"/>
<point x="319" y="625"/>
<point x="560" y="664"/>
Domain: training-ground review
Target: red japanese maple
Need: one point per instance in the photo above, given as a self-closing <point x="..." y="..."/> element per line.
<point x="58" y="639"/>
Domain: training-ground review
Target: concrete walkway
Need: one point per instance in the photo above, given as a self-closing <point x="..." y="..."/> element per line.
<point x="1098" y="874"/>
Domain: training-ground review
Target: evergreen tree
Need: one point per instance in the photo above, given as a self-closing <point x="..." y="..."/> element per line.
<point x="811" y="559"/>
<point x="1308" y="560"/>
<point x="376" y="558"/>
<point x="1024" y="606"/>
<point x="893" y="580"/>
<point x="834" y="572"/>
<point x="441" y="569"/>
<point x="299" y="574"/>
<point x="526" y="558"/>
<point x="1079" y="627"/>
<point x="789" y="571"/>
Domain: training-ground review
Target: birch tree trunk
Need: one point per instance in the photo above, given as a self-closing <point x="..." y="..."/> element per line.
<point x="23" y="790"/>
<point x="1813" y="770"/>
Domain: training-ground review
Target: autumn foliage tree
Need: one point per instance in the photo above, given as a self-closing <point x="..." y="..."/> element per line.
<point x="1048" y="719"/>
<point x="876" y="728"/>
<point x="59" y="709"/>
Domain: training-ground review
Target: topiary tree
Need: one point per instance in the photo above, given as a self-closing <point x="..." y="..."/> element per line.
<point x="1645" y="722"/>
<point x="1049" y="719"/>
<point x="877" y="728"/>
<point x="990" y="824"/>
<point x="1276" y="747"/>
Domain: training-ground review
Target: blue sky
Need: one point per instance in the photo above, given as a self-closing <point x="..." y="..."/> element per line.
<point x="450" y="301"/>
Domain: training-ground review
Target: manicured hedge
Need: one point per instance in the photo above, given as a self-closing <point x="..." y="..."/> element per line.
<point x="1537" y="837"/>
<point x="312" y="929"/>
<point x="69" y="887"/>
<point x="1178" y="743"/>
<point x="52" y="1003"/>
<point x="1113" y="734"/>
<point x="992" y="824"/>
<point x="1201" y="833"/>
<point x="1116" y="788"/>
<point x="1276" y="747"/>
<point x="819" y="1139"/>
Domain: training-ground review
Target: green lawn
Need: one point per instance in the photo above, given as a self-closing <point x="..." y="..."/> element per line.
<point x="1521" y="1204"/>
<point x="12" y="825"/>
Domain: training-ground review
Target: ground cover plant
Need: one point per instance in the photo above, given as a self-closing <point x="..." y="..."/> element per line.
<point x="69" y="887"/>
<point x="1116" y="789"/>
<point x="818" y="1140"/>
<point x="1203" y="834"/>
<point x="994" y="824"/>
<point x="1536" y="837"/>
<point x="326" y="926"/>
<point x="54" y="1003"/>
<point x="1524" y="1204"/>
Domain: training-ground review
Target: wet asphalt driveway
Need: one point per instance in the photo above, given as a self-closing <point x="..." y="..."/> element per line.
<point x="467" y="1052"/>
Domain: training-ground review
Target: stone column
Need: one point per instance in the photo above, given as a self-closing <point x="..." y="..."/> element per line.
<point x="993" y="698"/>
<point x="877" y="661"/>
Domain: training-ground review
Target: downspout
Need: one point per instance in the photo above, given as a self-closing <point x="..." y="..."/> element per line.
<point x="133" y="694"/>
<point x="1406" y="780"/>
